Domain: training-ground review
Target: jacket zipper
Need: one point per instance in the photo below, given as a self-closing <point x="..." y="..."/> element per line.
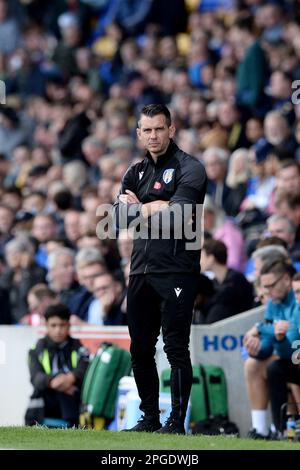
<point x="147" y="190"/>
<point x="175" y="247"/>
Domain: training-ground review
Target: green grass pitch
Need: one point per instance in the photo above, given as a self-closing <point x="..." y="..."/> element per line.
<point x="38" y="438"/>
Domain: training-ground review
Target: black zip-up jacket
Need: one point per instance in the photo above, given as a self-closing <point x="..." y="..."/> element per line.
<point x="178" y="178"/>
<point x="40" y="378"/>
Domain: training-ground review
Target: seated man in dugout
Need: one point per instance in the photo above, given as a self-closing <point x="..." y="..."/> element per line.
<point x="284" y="374"/>
<point x="270" y="340"/>
<point x="57" y="366"/>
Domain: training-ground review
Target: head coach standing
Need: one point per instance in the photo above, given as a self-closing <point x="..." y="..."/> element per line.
<point x="164" y="267"/>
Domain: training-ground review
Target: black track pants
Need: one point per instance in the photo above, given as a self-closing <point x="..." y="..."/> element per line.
<point x="279" y="374"/>
<point x="155" y="301"/>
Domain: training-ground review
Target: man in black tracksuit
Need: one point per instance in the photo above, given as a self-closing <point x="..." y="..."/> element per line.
<point x="164" y="272"/>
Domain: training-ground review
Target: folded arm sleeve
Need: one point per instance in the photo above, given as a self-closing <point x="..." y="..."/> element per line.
<point x="125" y="214"/>
<point x="190" y="191"/>
<point x="38" y="378"/>
<point x="266" y="347"/>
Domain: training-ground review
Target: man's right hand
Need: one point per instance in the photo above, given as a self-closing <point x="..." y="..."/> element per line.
<point x="252" y="344"/>
<point x="129" y="197"/>
<point x="252" y="332"/>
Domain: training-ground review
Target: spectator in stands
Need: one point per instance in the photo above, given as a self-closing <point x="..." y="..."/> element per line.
<point x="224" y="229"/>
<point x="215" y="160"/>
<point x="252" y="72"/>
<point x="267" y="253"/>
<point x="261" y="341"/>
<point x="12" y="133"/>
<point x="286" y="371"/>
<point x="7" y="217"/>
<point x="44" y="228"/>
<point x="57" y="366"/>
<point x="260" y="185"/>
<point x="237" y="180"/>
<point x="288" y="177"/>
<point x="278" y="133"/>
<point x="9" y="30"/>
<point x="289" y="205"/>
<point x="93" y="149"/>
<point x="105" y="309"/>
<point x="39" y="298"/>
<point x="12" y="197"/>
<point x="89" y="264"/>
<point x="75" y="179"/>
<point x="280" y="90"/>
<point x="281" y="227"/>
<point x="21" y="274"/>
<point x="61" y="275"/>
<point x="34" y="202"/>
<point x="64" y="53"/>
<point x="233" y="293"/>
<point x="72" y="225"/>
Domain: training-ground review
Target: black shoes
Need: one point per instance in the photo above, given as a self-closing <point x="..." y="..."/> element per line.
<point x="172" y="426"/>
<point x="145" y="424"/>
<point x="253" y="434"/>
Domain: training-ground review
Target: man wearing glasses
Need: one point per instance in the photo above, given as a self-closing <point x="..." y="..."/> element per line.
<point x="282" y="372"/>
<point x="270" y="340"/>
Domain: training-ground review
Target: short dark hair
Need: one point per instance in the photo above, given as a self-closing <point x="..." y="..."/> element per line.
<point x="290" y="162"/>
<point x="245" y="22"/>
<point x="216" y="248"/>
<point x="63" y="199"/>
<point x="279" y="267"/>
<point x="271" y="241"/>
<point x="58" y="310"/>
<point x="152" y="110"/>
<point x="296" y="277"/>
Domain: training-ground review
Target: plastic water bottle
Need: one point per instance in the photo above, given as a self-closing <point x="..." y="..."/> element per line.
<point x="291" y="428"/>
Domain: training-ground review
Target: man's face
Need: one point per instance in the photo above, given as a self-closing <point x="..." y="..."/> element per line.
<point x="275" y="129"/>
<point x="43" y="229"/>
<point x="57" y="329"/>
<point x="155" y="134"/>
<point x="6" y="220"/>
<point x="280" y="229"/>
<point x="104" y="286"/>
<point x="276" y="286"/>
<point x="206" y="261"/>
<point x="64" y="271"/>
<point x="296" y="288"/>
<point x="289" y="179"/>
<point x="214" y="167"/>
<point x="88" y="274"/>
<point x="72" y="226"/>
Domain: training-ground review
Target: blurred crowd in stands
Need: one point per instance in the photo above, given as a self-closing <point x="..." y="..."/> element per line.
<point x="77" y="73"/>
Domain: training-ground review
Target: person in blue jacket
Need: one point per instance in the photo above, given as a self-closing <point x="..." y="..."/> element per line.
<point x="270" y="339"/>
<point x="286" y="370"/>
